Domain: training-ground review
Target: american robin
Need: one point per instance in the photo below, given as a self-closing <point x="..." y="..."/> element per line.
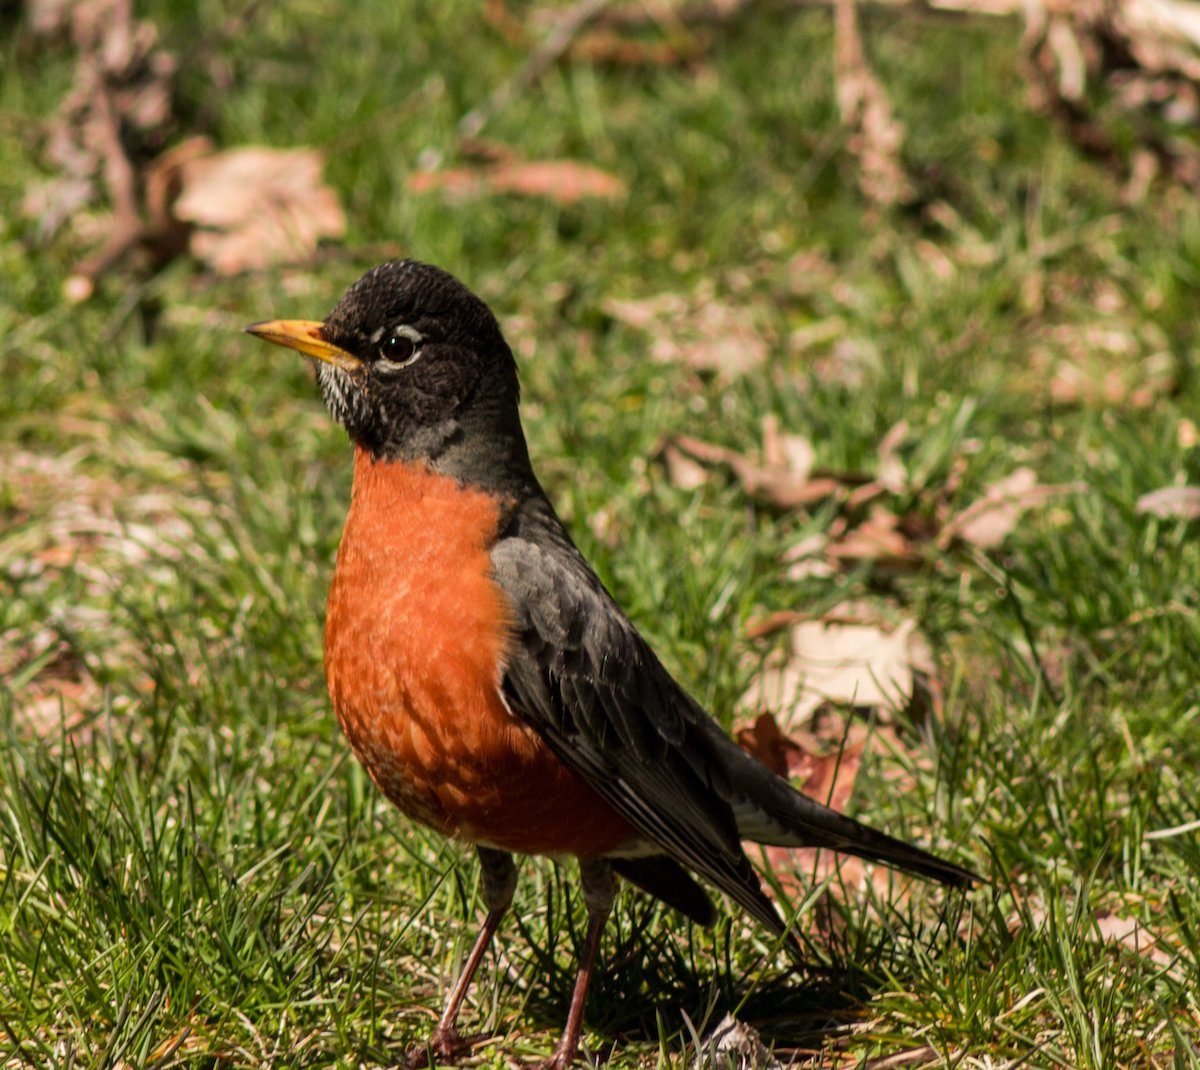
<point x="489" y="683"/>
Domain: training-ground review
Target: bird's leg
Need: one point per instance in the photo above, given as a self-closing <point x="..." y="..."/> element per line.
<point x="499" y="882"/>
<point x="599" y="890"/>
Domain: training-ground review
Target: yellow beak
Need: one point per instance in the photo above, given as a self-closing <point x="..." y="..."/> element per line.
<point x="305" y="337"/>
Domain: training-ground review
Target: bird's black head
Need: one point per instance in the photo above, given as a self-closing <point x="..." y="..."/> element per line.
<point x="413" y="365"/>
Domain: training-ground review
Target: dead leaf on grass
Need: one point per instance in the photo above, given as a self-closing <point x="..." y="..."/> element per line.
<point x="880" y="540"/>
<point x="987" y="522"/>
<point x="58" y="692"/>
<point x="561" y="181"/>
<point x="806" y="559"/>
<point x="256" y="206"/>
<point x="698" y="331"/>
<point x="1120" y="931"/>
<point x="1132" y="934"/>
<point x="777" y="485"/>
<point x="683" y="470"/>
<point x="785" y="450"/>
<point x="1182" y="503"/>
<point x="849" y="657"/>
<point x="1118" y="70"/>
<point x="784" y="479"/>
<point x="99" y="532"/>
<point x="1115" y="360"/>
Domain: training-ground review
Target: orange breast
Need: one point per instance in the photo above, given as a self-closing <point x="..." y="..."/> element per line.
<point x="415" y="641"/>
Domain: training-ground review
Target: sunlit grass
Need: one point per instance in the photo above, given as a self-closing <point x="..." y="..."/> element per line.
<point x="199" y="874"/>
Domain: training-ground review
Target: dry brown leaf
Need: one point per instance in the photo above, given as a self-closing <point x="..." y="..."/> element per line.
<point x="1121" y="65"/>
<point x="101" y="531"/>
<point x="925" y="1055"/>
<point x="806" y="559"/>
<point x="683" y="471"/>
<point x="698" y="331"/>
<point x="778" y="486"/>
<point x="561" y="181"/>
<point x="1120" y="931"/>
<point x="1181" y="503"/>
<point x="256" y="206"/>
<point x="118" y="113"/>
<point x="878" y="539"/>
<point x="46" y="708"/>
<point x="828" y="777"/>
<point x="784" y="450"/>
<point x="1133" y="935"/>
<point x="989" y="521"/>
<point x="850" y="658"/>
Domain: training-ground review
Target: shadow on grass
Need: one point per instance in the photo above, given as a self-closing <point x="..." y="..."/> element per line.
<point x="656" y="975"/>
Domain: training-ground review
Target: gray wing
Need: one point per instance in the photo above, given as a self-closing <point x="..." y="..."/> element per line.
<point x="582" y="676"/>
<point x="580" y="673"/>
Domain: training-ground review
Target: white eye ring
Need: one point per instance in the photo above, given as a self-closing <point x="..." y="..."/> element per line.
<point x="399" y="348"/>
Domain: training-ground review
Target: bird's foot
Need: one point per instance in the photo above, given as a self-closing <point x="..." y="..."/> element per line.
<point x="444" y="1048"/>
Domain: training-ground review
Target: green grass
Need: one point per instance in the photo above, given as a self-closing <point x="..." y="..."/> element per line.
<point x="198" y="874"/>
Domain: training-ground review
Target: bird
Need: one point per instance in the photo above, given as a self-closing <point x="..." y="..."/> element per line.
<point x="481" y="671"/>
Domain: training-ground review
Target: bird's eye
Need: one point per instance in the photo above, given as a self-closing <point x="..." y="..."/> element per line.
<point x="399" y="349"/>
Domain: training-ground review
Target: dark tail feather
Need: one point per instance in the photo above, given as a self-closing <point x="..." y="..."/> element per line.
<point x="667" y="880"/>
<point x="880" y="847"/>
<point x="771" y="811"/>
<point x="809" y="824"/>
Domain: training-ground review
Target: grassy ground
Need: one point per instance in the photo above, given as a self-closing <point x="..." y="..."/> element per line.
<point x="197" y="874"/>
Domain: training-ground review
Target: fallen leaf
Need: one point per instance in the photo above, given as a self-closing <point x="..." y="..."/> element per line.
<point x="925" y="1055"/>
<point x="1132" y="934"/>
<point x="1181" y="503"/>
<point x="699" y="331"/>
<point x="118" y="113"/>
<point x="1108" y="70"/>
<point x="561" y="181"/>
<point x="987" y="522"/>
<point x="782" y="450"/>
<point x="848" y="658"/>
<point x="1093" y="382"/>
<point x="879" y="540"/>
<point x="684" y="471"/>
<point x="806" y="559"/>
<point x="1120" y="931"/>
<point x="784" y="478"/>
<point x="99" y="532"/>
<point x="255" y="206"/>
<point x="826" y="777"/>
<point x="777" y="486"/>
